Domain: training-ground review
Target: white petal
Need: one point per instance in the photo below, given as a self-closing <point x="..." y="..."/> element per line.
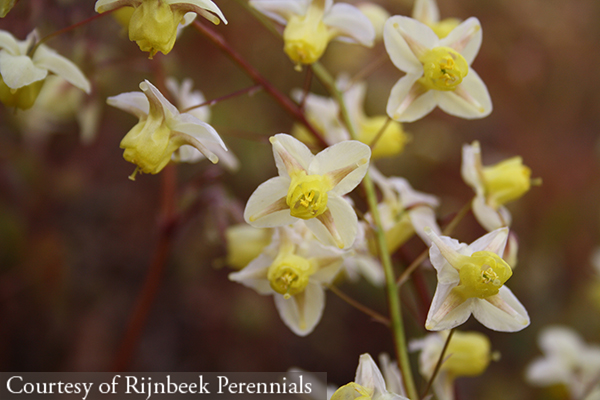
<point x="264" y="196"/>
<point x="349" y="22"/>
<point x="344" y="218"/>
<point x="502" y="312"/>
<point x="325" y="275"/>
<point x="548" y="371"/>
<point x="47" y="58"/>
<point x="447" y="311"/>
<point x="186" y="123"/>
<point x="19" y="71"/>
<point x="471" y="165"/>
<point x="397" y="47"/>
<point x="9" y="43"/>
<point x="424" y="217"/>
<point x="290" y="154"/>
<point x="426" y="11"/>
<point x="494" y="241"/>
<point x="465" y="38"/>
<point x="158" y="100"/>
<point x="281" y="10"/>
<point x="343" y="155"/>
<point x="448" y="247"/>
<point x="367" y="266"/>
<point x="411" y="197"/>
<point x="135" y="103"/>
<point x="197" y="6"/>
<point x="403" y="107"/>
<point x="479" y="104"/>
<point x="254" y="275"/>
<point x="488" y="217"/>
<point x="369" y="376"/>
<point x="561" y="341"/>
<point x="302" y="312"/>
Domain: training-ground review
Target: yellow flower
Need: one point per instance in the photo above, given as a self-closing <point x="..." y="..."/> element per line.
<point x="153" y="23"/>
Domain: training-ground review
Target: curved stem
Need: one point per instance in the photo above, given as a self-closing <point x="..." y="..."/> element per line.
<point x="438" y="365"/>
<point x="361" y="307"/>
<point x="250" y="90"/>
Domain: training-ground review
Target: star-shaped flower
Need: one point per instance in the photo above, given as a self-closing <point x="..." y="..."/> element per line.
<point x="294" y="268"/>
<point x="153" y="24"/>
<point x="22" y="73"/>
<point x="310" y="188"/>
<point x="471" y="281"/>
<point x="311" y="24"/>
<point x="438" y="71"/>
<point x="161" y="130"/>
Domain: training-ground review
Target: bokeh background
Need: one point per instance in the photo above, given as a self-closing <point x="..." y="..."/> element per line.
<point x="77" y="238"/>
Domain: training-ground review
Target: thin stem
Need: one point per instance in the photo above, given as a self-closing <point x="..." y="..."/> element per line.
<point x="68" y="28"/>
<point x="361" y="307"/>
<point x="447" y="231"/>
<point x="285" y="102"/>
<point x="393" y="293"/>
<point x="440" y="361"/>
<point x="251" y="90"/>
<point x="380" y="133"/>
<point x="369" y="69"/>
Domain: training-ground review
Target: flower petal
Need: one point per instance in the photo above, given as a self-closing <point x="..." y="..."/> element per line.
<point x="263" y="197"/>
<point x="135" y="103"/>
<point x="395" y="33"/>
<point x="281" y="10"/>
<point x="488" y="217"/>
<point x="409" y="100"/>
<point x="156" y="99"/>
<point x="426" y="11"/>
<point x="424" y="217"/>
<point x="465" y="38"/>
<point x="471" y="167"/>
<point x="346" y="163"/>
<point x="290" y="154"/>
<point x="410" y="197"/>
<point x="197" y="6"/>
<point x="9" y="43"/>
<point x="19" y="71"/>
<point x="368" y="375"/>
<point x="44" y="57"/>
<point x="494" y="241"/>
<point x="187" y="123"/>
<point x="502" y="312"/>
<point x="254" y="275"/>
<point x="442" y="249"/>
<point x="302" y="312"/>
<point x="470" y="100"/>
<point x="348" y="22"/>
<point x="344" y="220"/>
<point x="447" y="310"/>
<point x="107" y="5"/>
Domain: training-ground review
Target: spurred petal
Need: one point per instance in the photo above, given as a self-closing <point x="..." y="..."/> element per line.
<point x="269" y="193"/>
<point x="200" y="130"/>
<point x="470" y="100"/>
<point x="135" y="103"/>
<point x="157" y="100"/>
<point x="465" y="38"/>
<point x="409" y="100"/>
<point x="405" y="39"/>
<point x="302" y="312"/>
<point x="368" y="375"/>
<point x="19" y="71"/>
<point x="348" y="22"/>
<point x="346" y="164"/>
<point x="254" y="275"/>
<point x="502" y="312"/>
<point x="342" y="221"/>
<point x="281" y="10"/>
<point x="494" y="241"/>
<point x="9" y="43"/>
<point x="197" y="6"/>
<point x="488" y="217"/>
<point x="291" y="155"/>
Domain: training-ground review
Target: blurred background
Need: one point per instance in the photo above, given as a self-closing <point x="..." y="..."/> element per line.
<point x="77" y="238"/>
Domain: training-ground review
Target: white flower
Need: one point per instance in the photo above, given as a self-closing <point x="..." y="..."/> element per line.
<point x="494" y="185"/>
<point x="293" y="268"/>
<point x="311" y="24"/>
<point x="437" y="70"/>
<point x="154" y="23"/>
<point x="185" y="98"/>
<point x="471" y="281"/>
<point x="567" y="360"/>
<point x="368" y="384"/>
<point x="22" y="74"/>
<point x="161" y="130"/>
<point x="311" y="188"/>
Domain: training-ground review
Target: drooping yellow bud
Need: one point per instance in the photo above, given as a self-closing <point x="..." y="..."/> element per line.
<point x="481" y="275"/>
<point x="23" y="97"/>
<point x="391" y="142"/>
<point x="305" y="37"/>
<point x="352" y="391"/>
<point x="443" y="68"/>
<point x="444" y="27"/>
<point x="307" y="195"/>
<point x="506" y="181"/>
<point x="245" y="243"/>
<point x="289" y="274"/>
<point x="469" y="354"/>
<point x="153" y="26"/>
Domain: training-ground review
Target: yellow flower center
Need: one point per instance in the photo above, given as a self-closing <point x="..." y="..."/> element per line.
<point x="23" y="97"/>
<point x="307" y="195"/>
<point x="352" y="391"/>
<point x="506" y="181"/>
<point x="444" y="27"/>
<point x="153" y="26"/>
<point x="392" y="140"/>
<point x="482" y="275"/>
<point x="289" y="274"/>
<point x="468" y="354"/>
<point x="443" y="68"/>
<point x="305" y="37"/>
